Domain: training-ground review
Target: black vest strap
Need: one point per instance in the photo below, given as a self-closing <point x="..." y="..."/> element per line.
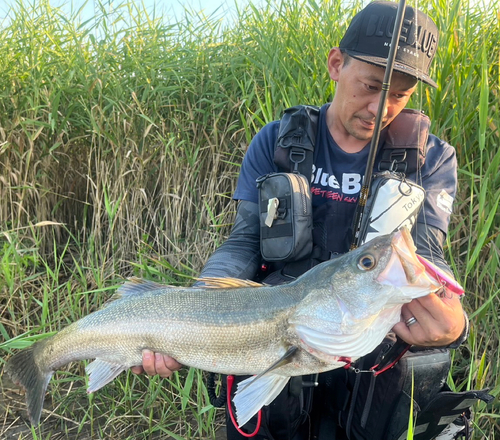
<point x="404" y="149"/>
<point x="296" y="139"/>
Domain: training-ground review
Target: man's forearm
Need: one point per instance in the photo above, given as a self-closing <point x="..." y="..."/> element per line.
<point x="239" y="255"/>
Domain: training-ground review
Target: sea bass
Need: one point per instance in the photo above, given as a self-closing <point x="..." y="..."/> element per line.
<point x="335" y="313"/>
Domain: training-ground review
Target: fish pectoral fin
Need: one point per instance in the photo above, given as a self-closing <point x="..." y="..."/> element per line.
<point x="285" y="359"/>
<point x="253" y="393"/>
<point x="100" y="373"/>
<point x="226" y="283"/>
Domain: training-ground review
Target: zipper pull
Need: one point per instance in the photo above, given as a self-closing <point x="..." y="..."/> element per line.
<point x="272" y="211"/>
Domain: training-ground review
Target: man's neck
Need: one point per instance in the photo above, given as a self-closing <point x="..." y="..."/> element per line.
<point x="341" y="136"/>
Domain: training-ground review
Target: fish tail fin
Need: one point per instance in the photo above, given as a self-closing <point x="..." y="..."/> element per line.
<point x="24" y="371"/>
<point x="255" y="392"/>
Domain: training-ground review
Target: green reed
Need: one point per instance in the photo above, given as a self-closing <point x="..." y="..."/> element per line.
<point x="120" y="144"/>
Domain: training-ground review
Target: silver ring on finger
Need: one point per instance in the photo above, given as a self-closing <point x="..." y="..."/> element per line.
<point x="410" y="321"/>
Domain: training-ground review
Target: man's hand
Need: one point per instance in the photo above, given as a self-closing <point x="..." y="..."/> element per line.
<point x="440" y="320"/>
<point x="156" y="363"/>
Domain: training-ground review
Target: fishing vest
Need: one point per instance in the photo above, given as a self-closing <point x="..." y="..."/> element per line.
<point x="285" y="198"/>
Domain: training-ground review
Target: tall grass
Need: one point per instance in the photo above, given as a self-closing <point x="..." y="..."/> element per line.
<point x="120" y="142"/>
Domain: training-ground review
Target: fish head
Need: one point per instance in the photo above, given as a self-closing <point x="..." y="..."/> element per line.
<point x="383" y="267"/>
<point x="355" y="299"/>
<point x="401" y="268"/>
<point x="405" y="269"/>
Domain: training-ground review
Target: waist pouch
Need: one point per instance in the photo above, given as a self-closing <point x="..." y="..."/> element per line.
<point x="393" y="202"/>
<point x="285" y="216"/>
<point x="378" y="407"/>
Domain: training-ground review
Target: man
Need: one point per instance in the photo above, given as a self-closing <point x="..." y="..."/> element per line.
<point x="345" y="129"/>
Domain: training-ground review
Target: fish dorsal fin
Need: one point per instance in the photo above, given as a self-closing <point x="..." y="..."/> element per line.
<point x="136" y="286"/>
<point x="226" y="283"/>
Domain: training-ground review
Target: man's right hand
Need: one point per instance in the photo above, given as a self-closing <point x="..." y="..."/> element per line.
<point x="156" y="363"/>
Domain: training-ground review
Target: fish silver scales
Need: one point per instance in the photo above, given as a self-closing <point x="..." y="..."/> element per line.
<point x="203" y="328"/>
<point x="238" y="331"/>
<point x="341" y="308"/>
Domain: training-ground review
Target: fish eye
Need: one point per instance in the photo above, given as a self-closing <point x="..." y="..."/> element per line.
<point x="367" y="262"/>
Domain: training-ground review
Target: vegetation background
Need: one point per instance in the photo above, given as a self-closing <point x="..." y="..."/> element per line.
<point x="120" y="142"/>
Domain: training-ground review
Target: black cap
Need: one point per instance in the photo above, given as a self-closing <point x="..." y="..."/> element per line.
<point x="368" y="38"/>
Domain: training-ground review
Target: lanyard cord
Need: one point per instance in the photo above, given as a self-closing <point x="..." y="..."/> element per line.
<point x="365" y="189"/>
<point x="230" y="381"/>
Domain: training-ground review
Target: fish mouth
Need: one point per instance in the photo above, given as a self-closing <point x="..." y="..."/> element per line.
<point x="404" y="268"/>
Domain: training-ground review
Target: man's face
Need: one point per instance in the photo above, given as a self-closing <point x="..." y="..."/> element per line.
<point x="357" y="96"/>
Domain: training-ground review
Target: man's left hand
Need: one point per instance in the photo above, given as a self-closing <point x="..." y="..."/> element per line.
<point x="439" y="320"/>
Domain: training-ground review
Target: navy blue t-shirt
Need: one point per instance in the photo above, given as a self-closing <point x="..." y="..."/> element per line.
<point x="337" y="178"/>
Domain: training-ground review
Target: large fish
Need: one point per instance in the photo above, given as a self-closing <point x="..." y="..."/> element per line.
<point x="336" y="312"/>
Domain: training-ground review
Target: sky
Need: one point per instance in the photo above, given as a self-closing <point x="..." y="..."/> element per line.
<point x="222" y="8"/>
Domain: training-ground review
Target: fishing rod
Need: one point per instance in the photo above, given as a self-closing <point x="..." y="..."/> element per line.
<point x="400" y="347"/>
<point x="365" y="188"/>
